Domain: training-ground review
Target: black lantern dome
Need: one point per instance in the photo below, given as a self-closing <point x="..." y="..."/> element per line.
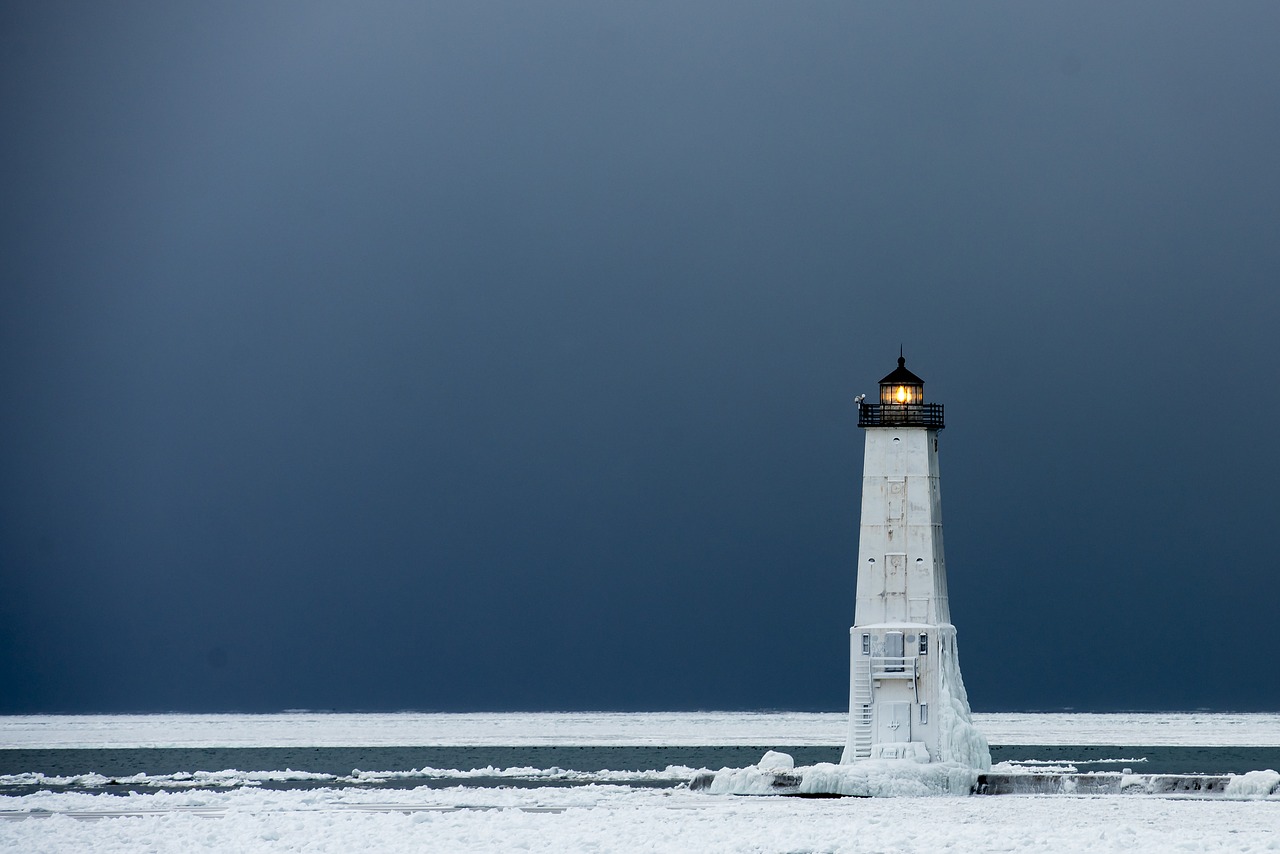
<point x="901" y="386"/>
<point x="901" y="403"/>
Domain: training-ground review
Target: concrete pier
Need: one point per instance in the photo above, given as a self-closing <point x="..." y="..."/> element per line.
<point x="788" y="783"/>
<point x="1101" y="784"/>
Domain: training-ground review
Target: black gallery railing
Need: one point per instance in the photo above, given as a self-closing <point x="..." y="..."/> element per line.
<point x="900" y="415"/>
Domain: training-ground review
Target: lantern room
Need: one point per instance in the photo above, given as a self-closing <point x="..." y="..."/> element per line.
<point x="901" y="403"/>
<point x="901" y="387"/>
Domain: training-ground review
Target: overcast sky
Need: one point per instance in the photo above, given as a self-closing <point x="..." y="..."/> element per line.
<point x="501" y="355"/>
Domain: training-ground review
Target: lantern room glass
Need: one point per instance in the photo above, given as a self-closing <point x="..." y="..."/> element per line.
<point x="899" y="394"/>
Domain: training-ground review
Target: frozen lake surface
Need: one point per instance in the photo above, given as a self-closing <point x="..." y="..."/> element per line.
<point x="502" y="809"/>
<point x="410" y="729"/>
<point x="609" y="819"/>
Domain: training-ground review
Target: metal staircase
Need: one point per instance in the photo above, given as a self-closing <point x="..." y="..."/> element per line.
<point x="862" y="736"/>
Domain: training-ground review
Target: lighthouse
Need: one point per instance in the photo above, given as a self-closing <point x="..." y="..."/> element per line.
<point x="906" y="697"/>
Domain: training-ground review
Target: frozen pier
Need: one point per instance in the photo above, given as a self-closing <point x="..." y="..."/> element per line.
<point x="1114" y="784"/>
<point x="1255" y="784"/>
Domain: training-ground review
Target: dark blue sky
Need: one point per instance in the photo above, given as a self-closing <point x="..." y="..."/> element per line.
<point x="501" y="355"/>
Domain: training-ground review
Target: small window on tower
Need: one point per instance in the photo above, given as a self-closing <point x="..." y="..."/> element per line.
<point x="924" y="713"/>
<point x="866" y="644"/>
<point x="924" y="643"/>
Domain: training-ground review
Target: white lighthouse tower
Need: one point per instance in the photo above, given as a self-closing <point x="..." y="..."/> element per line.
<point x="906" y="698"/>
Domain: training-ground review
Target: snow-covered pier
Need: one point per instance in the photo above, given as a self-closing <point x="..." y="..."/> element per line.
<point x="1253" y="784"/>
<point x="797" y="783"/>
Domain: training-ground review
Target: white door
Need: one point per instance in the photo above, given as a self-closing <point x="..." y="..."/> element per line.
<point x="893" y="722"/>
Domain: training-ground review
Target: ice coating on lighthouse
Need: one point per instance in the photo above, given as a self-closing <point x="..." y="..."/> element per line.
<point x="906" y="697"/>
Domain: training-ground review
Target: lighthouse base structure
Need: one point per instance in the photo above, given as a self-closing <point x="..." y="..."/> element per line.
<point x="907" y="699"/>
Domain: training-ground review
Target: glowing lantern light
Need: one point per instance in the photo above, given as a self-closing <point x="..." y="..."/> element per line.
<point x="901" y="388"/>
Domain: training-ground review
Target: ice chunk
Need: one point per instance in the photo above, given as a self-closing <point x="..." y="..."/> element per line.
<point x="774" y="760"/>
<point x="1254" y="784"/>
<point x="870" y="778"/>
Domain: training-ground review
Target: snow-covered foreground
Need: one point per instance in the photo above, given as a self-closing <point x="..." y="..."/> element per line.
<point x="415" y="729"/>
<point x="609" y="818"/>
<point x="602" y="816"/>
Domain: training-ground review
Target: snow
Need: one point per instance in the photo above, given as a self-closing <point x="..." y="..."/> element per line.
<point x="762" y="729"/>
<point x="417" y="729"/>
<point x="1150" y="729"/>
<point x="613" y="818"/>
